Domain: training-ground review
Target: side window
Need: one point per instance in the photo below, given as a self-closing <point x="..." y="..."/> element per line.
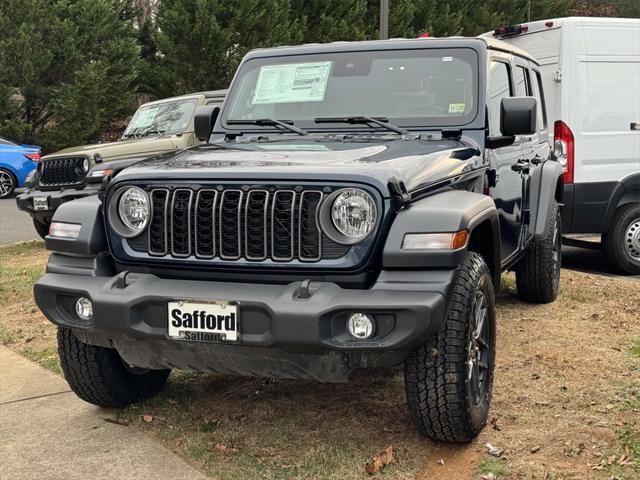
<point x="499" y="88"/>
<point x="538" y="92"/>
<point x="522" y="83"/>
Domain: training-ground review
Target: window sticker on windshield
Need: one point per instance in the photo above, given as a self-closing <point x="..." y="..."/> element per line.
<point x="294" y="82"/>
<point x="456" y="108"/>
<point x="146" y="116"/>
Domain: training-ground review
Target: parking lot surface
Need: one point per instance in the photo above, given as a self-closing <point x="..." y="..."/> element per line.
<point x="15" y="226"/>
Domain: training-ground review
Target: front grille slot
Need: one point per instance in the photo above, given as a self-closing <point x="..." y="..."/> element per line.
<point x="253" y="224"/>
<point x="158" y="224"/>
<point x="230" y="231"/>
<point x="181" y="223"/>
<point x="309" y="230"/>
<point x="282" y="227"/>
<point x="256" y="224"/>
<point x="63" y="171"/>
<point x="205" y="223"/>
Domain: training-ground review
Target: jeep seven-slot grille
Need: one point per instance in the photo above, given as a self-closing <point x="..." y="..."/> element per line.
<point x="55" y="172"/>
<point x="257" y="224"/>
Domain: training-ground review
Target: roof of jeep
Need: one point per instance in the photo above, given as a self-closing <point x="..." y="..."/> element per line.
<point x="395" y="44"/>
<point x="207" y="94"/>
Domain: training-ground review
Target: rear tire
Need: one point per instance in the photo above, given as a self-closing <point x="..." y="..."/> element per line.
<point x="449" y="379"/>
<point x="41" y="228"/>
<point x="621" y="243"/>
<point x="538" y="271"/>
<point x="98" y="375"/>
<point x="8" y="183"/>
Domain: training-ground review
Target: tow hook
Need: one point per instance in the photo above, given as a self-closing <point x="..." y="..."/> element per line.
<point x="303" y="290"/>
<point x="121" y="280"/>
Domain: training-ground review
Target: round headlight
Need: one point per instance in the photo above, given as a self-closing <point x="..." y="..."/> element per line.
<point x="133" y="209"/>
<point x="353" y="213"/>
<point x="85" y="165"/>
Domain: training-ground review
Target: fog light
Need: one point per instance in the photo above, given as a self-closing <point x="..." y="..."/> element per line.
<point x="360" y="325"/>
<point x="84" y="308"/>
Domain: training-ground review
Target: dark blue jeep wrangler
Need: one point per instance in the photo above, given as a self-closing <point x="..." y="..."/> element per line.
<point x="354" y="207"/>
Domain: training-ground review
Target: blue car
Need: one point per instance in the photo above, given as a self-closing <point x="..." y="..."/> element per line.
<point x="16" y="162"/>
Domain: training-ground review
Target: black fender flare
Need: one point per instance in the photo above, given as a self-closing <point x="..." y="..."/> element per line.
<point x="545" y="186"/>
<point x="448" y="211"/>
<point x="627" y="191"/>
<point x="92" y="238"/>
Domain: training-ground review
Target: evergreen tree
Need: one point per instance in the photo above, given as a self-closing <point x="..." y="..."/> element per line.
<point x="66" y="68"/>
<point x="201" y="42"/>
<point x="324" y="21"/>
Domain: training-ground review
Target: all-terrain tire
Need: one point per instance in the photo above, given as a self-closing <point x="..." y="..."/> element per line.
<point x="441" y="394"/>
<point x="41" y="228"/>
<point x="538" y="271"/>
<point x="621" y="243"/>
<point x="99" y="376"/>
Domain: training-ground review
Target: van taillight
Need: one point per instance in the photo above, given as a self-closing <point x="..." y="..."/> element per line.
<point x="563" y="148"/>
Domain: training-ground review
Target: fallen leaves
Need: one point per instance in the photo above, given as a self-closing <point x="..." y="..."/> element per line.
<point x="117" y="421"/>
<point x="225" y="448"/>
<point x="494" y="423"/>
<point x="385" y="457"/>
<point x="621" y="460"/>
<point x="496" y="452"/>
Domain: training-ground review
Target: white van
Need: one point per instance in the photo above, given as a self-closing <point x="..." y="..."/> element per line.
<point x="591" y="75"/>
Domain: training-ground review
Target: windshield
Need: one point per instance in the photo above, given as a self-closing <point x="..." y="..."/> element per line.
<point x="421" y="87"/>
<point x="165" y="117"/>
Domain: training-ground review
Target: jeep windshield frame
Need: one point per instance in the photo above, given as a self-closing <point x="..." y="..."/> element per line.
<point x="417" y="88"/>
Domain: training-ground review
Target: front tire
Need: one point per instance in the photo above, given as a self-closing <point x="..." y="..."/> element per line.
<point x="98" y="375"/>
<point x="622" y="242"/>
<point x="8" y="183"/>
<point x="41" y="228"/>
<point x="449" y="379"/>
<point x="538" y="271"/>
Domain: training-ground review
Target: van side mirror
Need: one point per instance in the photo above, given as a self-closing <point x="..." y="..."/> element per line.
<point x="204" y="120"/>
<point x="518" y="116"/>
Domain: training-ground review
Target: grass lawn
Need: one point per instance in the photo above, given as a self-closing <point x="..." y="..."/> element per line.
<point x="566" y="397"/>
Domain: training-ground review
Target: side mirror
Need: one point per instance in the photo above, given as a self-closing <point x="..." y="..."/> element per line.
<point x="518" y="116"/>
<point x="204" y="120"/>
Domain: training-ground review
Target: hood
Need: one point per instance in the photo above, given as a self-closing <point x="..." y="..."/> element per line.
<point x="416" y="162"/>
<point x="116" y="150"/>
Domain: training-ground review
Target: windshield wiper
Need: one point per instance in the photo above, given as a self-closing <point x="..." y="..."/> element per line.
<point x="381" y="121"/>
<point x="152" y="131"/>
<point x="135" y="133"/>
<point x="286" y="124"/>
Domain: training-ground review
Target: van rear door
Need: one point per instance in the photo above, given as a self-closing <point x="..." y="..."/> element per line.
<point x="605" y="102"/>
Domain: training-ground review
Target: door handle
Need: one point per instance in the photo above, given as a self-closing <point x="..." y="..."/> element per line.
<point x="635" y="125"/>
<point x="521" y="166"/>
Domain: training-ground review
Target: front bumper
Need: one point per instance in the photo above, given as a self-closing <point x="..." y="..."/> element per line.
<point x="281" y="333"/>
<point x="55" y="198"/>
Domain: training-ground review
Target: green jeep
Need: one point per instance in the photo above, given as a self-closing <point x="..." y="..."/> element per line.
<point x="156" y="127"/>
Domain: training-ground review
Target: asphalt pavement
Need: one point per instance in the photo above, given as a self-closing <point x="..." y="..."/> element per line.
<point x="590" y="260"/>
<point x="15" y="226"/>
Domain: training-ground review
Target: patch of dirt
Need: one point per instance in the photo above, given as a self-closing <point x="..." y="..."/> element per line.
<point x="448" y="462"/>
<point x="562" y="369"/>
